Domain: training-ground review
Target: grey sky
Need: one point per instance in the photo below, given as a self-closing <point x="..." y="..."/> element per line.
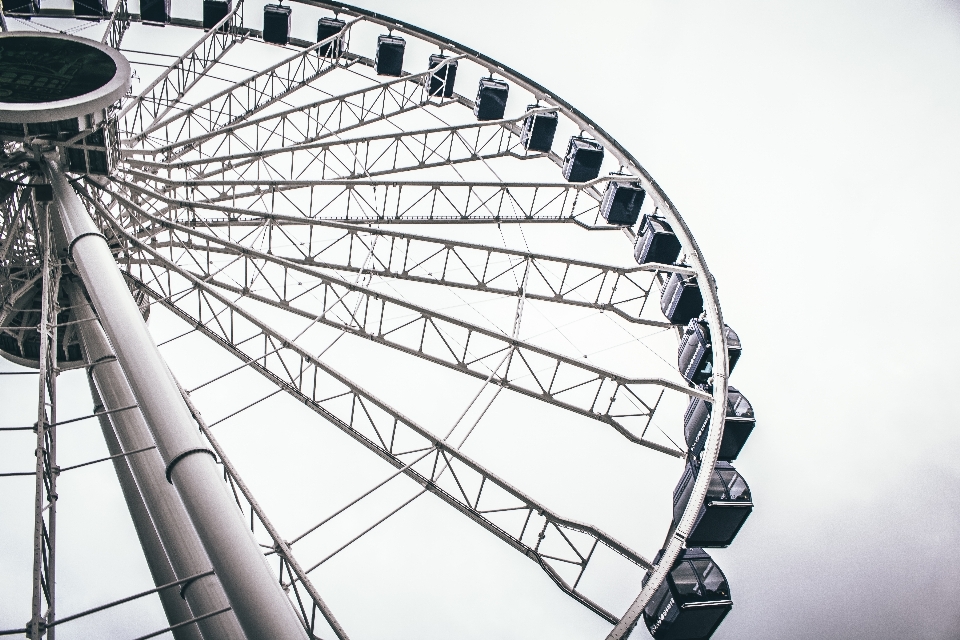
<point x="812" y="148"/>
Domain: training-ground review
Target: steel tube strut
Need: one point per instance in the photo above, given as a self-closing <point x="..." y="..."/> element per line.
<point x="263" y="610"/>
<point x="176" y="608"/>
<point x="180" y="543"/>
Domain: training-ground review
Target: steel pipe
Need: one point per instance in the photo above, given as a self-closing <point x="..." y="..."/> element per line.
<point x="168" y="519"/>
<point x="176" y="608"/>
<point x="260" y="605"/>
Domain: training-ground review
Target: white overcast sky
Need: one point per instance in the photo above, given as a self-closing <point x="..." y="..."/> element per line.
<point x="814" y="150"/>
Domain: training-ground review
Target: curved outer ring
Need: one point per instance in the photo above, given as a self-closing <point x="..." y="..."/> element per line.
<point x="691" y="249"/>
<point x="79" y="106"/>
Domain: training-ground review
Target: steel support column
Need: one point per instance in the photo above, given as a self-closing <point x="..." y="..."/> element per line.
<point x="181" y="545"/>
<point x="254" y="593"/>
<point x="45" y="497"/>
<point x="176" y="608"/>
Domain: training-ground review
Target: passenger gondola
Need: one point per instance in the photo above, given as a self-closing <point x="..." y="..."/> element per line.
<point x="214" y="11"/>
<point x="737" y="427"/>
<point x="695" y="354"/>
<point x="680" y="298"/>
<point x="621" y="203"/>
<point x="656" y="242"/>
<point x="442" y="80"/>
<point x="491" y="100"/>
<point x="327" y="28"/>
<point x="155" y="12"/>
<point x="582" y="160"/>
<point x="692" y="600"/>
<point x="276" y="23"/>
<point x="389" y="60"/>
<point x="724" y="510"/>
<point x="539" y="130"/>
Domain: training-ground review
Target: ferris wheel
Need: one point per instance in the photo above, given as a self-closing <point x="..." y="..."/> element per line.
<point x="342" y="288"/>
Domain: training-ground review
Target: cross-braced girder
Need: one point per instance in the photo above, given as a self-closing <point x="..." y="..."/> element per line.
<point x="243" y="99"/>
<point x="625" y="403"/>
<point x="356" y="156"/>
<point x="353" y="248"/>
<point x="215" y="133"/>
<point x="396" y="438"/>
<point x="382" y="201"/>
<point x="174" y="82"/>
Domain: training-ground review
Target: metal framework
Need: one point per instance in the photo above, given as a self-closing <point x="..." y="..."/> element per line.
<point x="45" y="504"/>
<point x="257" y="205"/>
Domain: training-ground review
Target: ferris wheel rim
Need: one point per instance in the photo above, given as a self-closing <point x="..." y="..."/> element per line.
<point x="698" y="267"/>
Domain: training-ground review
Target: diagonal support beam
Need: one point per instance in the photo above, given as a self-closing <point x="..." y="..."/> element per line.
<point x="117" y="25"/>
<point x="281" y="546"/>
<point x="43" y="611"/>
<point x="176" y="608"/>
<point x="167" y="516"/>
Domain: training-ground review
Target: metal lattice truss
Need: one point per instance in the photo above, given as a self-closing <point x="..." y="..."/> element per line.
<point x="264" y="195"/>
<point x="189" y="286"/>
<point x="280" y="155"/>
<point x="622" y="290"/>
<point x="169" y="88"/>
<point x="624" y="403"/>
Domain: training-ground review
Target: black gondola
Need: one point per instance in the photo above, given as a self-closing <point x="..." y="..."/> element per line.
<point x="90" y="8"/>
<point x="276" y="23"/>
<point x="695" y="354"/>
<point x="737" y="426"/>
<point x="656" y="242"/>
<point x="539" y="130"/>
<point x="621" y="203"/>
<point x="680" y="298"/>
<point x="582" y="160"/>
<point x="155" y="11"/>
<point x="491" y="99"/>
<point x="442" y="80"/>
<point x="724" y="510"/>
<point x="389" y="60"/>
<point x="692" y="600"/>
<point x="214" y="11"/>
<point x="327" y="28"/>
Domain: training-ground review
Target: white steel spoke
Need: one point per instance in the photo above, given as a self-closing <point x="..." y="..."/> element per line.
<point x="117" y="25"/>
<point x="379" y="427"/>
<point x="357" y="157"/>
<point x="245" y="98"/>
<point x="625" y="403"/>
<point x="408" y="256"/>
<point x="167" y="90"/>
<point x="386" y="201"/>
<point x="297" y="125"/>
